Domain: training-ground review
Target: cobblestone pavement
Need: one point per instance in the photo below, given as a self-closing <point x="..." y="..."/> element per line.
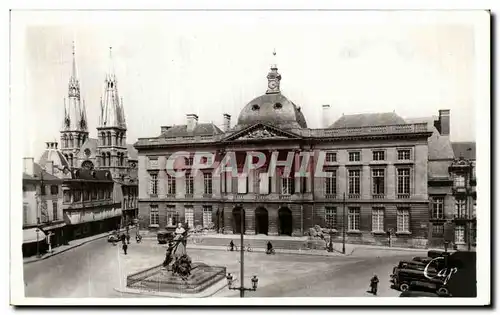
<point x="96" y="268"/>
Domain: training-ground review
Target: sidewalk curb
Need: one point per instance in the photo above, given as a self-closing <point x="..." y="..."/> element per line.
<point x="66" y="249"/>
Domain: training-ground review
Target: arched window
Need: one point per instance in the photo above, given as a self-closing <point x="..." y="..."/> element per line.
<point x="103" y="159"/>
<point x="109" y="138"/>
<point x="103" y="139"/>
<point x="64" y="142"/>
<point x="117" y="138"/>
<point x="121" y="159"/>
<point x="70" y="141"/>
<point x="109" y="158"/>
<point x="77" y="140"/>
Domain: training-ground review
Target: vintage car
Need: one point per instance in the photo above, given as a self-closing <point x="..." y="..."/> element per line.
<point x="113" y="237"/>
<point x="424" y="260"/>
<point x="164" y="237"/>
<point x="410" y="275"/>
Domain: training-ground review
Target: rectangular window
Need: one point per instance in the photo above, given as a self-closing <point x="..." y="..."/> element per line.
<point x="331" y="183"/>
<point x="242" y="184"/>
<point x="189" y="161"/>
<point x="460" y="208"/>
<point x="93" y="194"/>
<point x="331" y="157"/>
<point x="287" y="185"/>
<point x="354" y="183"/>
<point x="26" y="209"/>
<point x="378" y="219"/>
<point x="207" y="183"/>
<point x="86" y="195"/>
<point x="403" y="220"/>
<point x="353" y="219"/>
<point x="437" y="208"/>
<point x="170" y="185"/>
<point x="354" y="156"/>
<point x="189" y="184"/>
<point x="378" y="155"/>
<point x="189" y="216"/>
<point x="404" y="155"/>
<point x="172" y="216"/>
<point x="207" y="216"/>
<point x="378" y="178"/>
<point x="154" y="215"/>
<point x="54" y="190"/>
<point x="460" y="234"/>
<point x="67" y="196"/>
<point x="331" y="217"/>
<point x="437" y="230"/>
<point x="459" y="181"/>
<point x="54" y="210"/>
<point x="42" y="190"/>
<point x="100" y="194"/>
<point x="153" y="184"/>
<point x="403" y="182"/>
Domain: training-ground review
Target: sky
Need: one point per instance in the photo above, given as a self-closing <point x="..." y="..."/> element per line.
<point x="170" y="64"/>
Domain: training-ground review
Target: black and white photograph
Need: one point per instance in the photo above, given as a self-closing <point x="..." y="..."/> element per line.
<point x="201" y="157"/>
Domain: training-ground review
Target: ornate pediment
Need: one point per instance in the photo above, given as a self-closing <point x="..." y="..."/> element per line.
<point x="261" y="133"/>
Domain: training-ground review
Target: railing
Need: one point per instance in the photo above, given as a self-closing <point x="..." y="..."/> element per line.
<point x="460" y="216"/>
<point x="170" y="195"/>
<point x="239" y="196"/>
<point x="353" y="196"/>
<point x="403" y="196"/>
<point x="207" y="195"/>
<point x="330" y="196"/>
<point x="285" y="197"/>
<point x="378" y="196"/>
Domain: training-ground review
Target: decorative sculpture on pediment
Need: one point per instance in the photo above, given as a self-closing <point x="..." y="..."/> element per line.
<point x="260" y="134"/>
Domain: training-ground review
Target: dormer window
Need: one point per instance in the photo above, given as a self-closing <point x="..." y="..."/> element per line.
<point x="278" y="106"/>
<point x="255" y="107"/>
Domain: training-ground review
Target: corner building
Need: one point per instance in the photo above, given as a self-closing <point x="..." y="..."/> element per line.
<point x="377" y="165"/>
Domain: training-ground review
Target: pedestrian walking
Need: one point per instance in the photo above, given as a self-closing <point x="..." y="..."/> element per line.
<point x="374" y="285"/>
<point x="231" y="246"/>
<point x="128" y="238"/>
<point x="125" y="247"/>
<point x="123" y="238"/>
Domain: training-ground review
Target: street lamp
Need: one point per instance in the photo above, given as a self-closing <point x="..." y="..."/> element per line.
<point x="229" y="277"/>
<point x="37" y="230"/>
<point x="241" y="288"/>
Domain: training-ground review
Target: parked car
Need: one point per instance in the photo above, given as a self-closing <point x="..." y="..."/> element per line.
<point x="164" y="237"/>
<point x="424" y="260"/>
<point x="410" y="275"/>
<point x="113" y="238"/>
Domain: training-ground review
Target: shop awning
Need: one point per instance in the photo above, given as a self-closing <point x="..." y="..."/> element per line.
<point x="30" y="235"/>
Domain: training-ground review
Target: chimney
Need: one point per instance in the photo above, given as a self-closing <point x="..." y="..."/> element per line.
<point x="165" y="128"/>
<point x="226" y="122"/>
<point x="444" y="122"/>
<point x="192" y="121"/>
<point x="325" y="116"/>
<point x="49" y="167"/>
<point x="28" y="165"/>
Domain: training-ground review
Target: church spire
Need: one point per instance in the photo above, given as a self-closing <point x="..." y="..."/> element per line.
<point x="75" y="118"/>
<point x="273" y="77"/>
<point x="111" y="110"/>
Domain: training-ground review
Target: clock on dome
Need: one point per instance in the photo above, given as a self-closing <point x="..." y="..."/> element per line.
<point x="272" y="84"/>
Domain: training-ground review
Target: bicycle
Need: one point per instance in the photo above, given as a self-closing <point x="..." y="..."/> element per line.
<point x="235" y="248"/>
<point x="271" y="252"/>
<point x="247" y="248"/>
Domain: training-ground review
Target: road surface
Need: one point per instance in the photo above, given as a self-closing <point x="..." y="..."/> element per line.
<point x="97" y="268"/>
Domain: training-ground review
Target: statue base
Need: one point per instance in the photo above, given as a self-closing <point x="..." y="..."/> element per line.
<point x="159" y="280"/>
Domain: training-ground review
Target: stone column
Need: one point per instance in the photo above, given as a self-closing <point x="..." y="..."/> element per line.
<point x="310" y="170"/>
<point x="249" y="220"/>
<point x="273" y="220"/>
<point x="296" y="169"/>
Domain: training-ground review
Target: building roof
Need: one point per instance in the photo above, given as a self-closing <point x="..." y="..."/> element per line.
<point x="273" y="109"/>
<point x="93" y="175"/>
<point x="365" y="120"/>
<point x="55" y="155"/>
<point x="132" y="152"/>
<point x="201" y="129"/>
<point x="439" y="145"/>
<point x="467" y="150"/>
<point x="38" y="173"/>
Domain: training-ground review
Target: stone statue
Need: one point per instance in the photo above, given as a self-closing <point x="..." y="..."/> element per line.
<point x="180" y="241"/>
<point x="168" y="255"/>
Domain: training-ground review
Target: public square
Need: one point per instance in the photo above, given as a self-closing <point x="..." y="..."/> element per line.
<point x="97" y="268"/>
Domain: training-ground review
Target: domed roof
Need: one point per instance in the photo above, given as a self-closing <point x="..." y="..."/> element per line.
<point x="53" y="154"/>
<point x="365" y="120"/>
<point x="272" y="108"/>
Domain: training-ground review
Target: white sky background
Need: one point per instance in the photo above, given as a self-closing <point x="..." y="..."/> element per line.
<point x="169" y="64"/>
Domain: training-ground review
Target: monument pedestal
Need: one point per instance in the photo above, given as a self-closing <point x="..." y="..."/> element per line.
<point x="158" y="279"/>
